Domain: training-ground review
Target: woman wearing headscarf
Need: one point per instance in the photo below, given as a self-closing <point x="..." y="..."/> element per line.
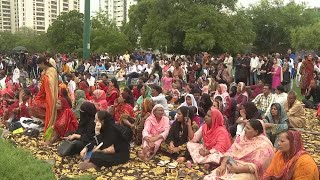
<point x="109" y="147"/>
<point x="242" y="95"/>
<point x="145" y="93"/>
<point x="306" y="71"/>
<point x="216" y="139"/>
<point x="83" y="85"/>
<point x="276" y="72"/>
<point x="182" y="130"/>
<point x="122" y="109"/>
<point x="33" y="88"/>
<point x="66" y="119"/>
<point x="113" y="91"/>
<point x="80" y="98"/>
<point x="222" y="90"/>
<point x="248" y="157"/>
<point x="156" y="130"/>
<point x="85" y="132"/>
<point x="99" y="100"/>
<point x="291" y="161"/>
<point x="276" y="122"/>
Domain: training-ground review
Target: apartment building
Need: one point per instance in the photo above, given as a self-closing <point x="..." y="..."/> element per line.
<point x="35" y="14"/>
<point x="117" y="10"/>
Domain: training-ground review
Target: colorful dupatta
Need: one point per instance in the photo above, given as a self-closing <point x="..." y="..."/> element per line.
<point x="216" y="136"/>
<point x="66" y="119"/>
<point x="306" y="71"/>
<point x="147" y="94"/>
<point x="111" y="95"/>
<point x="256" y="152"/>
<point x="123" y="111"/>
<point x="283" y="165"/>
<point x="79" y="100"/>
<point x="100" y="100"/>
<point x="47" y="99"/>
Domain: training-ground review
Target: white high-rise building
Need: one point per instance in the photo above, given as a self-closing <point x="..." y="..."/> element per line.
<point x="35" y="14"/>
<point x="117" y="10"/>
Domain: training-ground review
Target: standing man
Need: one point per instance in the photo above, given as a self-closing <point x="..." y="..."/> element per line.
<point x="228" y="61"/>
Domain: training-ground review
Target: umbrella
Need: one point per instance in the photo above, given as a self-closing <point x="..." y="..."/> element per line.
<point x="156" y="52"/>
<point x="20" y="49"/>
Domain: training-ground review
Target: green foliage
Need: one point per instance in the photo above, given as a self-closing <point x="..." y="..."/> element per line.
<point x="186" y="26"/>
<point x="65" y="33"/>
<point x="19" y="164"/>
<point x="273" y="22"/>
<point x="106" y="37"/>
<point x="307" y="37"/>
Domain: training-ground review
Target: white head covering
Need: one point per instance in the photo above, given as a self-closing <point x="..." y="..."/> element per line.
<point x="194" y="102"/>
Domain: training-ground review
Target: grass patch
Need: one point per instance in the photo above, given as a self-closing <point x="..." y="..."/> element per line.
<point x="16" y="163"/>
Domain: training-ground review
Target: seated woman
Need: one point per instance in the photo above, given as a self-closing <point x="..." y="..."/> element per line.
<point x="99" y="100"/>
<point x="83" y="85"/>
<point x="247" y="111"/>
<point x="248" y="157"/>
<point x="85" y="132"/>
<point x="80" y="98"/>
<point x="113" y="91"/>
<point x="181" y="131"/>
<point x="242" y="95"/>
<point x="291" y="161"/>
<point x="108" y="148"/>
<point x="222" y="91"/>
<point x="147" y="106"/>
<point x="156" y="130"/>
<point x="145" y="93"/>
<point x="216" y="139"/>
<point x="122" y="109"/>
<point x="276" y="122"/>
<point x="66" y="121"/>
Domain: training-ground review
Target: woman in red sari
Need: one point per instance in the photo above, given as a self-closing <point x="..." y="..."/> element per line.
<point x="123" y="110"/>
<point x="44" y="104"/>
<point x="306" y="71"/>
<point x="83" y="85"/>
<point x="113" y="91"/>
<point x="66" y="119"/>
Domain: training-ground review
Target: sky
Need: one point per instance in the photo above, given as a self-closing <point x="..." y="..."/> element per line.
<point x="311" y="3"/>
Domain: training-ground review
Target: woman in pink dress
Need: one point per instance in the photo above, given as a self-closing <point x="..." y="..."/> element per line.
<point x="167" y="81"/>
<point x="155" y="131"/>
<point x="276" y="74"/>
<point x="216" y="139"/>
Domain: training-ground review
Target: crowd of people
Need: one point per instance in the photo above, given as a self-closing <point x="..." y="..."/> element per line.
<point x="237" y="116"/>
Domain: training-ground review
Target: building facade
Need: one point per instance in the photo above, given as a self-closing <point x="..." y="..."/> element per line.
<point x="117" y="10"/>
<point x="34" y="14"/>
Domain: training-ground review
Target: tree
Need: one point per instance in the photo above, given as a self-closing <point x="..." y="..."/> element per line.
<point x="31" y="39"/>
<point x="7" y="41"/>
<point x="306" y="37"/>
<point x="65" y="34"/>
<point x="189" y="26"/>
<point x="106" y="37"/>
<point x="273" y="22"/>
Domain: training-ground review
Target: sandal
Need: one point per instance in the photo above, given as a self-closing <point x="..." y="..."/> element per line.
<point x="163" y="163"/>
<point x="172" y="165"/>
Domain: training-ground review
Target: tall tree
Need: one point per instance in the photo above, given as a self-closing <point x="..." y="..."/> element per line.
<point x="306" y="37"/>
<point x="274" y="20"/>
<point x="106" y="37"/>
<point x="65" y="33"/>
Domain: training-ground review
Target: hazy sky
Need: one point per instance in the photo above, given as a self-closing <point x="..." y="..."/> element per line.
<point x="245" y="3"/>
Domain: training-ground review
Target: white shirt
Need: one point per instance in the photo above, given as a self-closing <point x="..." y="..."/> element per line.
<point x="132" y="69"/>
<point x="3" y="83"/>
<point x="16" y="75"/>
<point x="126" y="57"/>
<point x="161" y="99"/>
<point x="254" y="63"/>
<point x="91" y="81"/>
<point x="86" y="66"/>
<point x="280" y="98"/>
<point x="140" y="68"/>
<point x="72" y="86"/>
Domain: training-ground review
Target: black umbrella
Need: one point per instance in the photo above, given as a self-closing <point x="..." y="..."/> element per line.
<point x="20" y="49"/>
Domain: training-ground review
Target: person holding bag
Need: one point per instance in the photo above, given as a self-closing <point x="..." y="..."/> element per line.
<point x="75" y="142"/>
